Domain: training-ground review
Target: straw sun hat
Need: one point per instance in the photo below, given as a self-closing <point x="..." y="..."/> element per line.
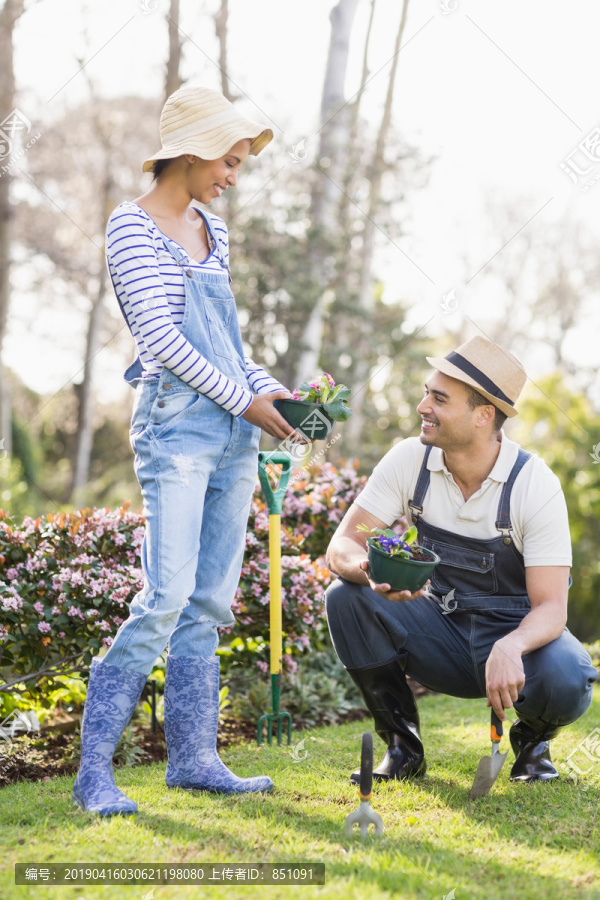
<point x="492" y="371"/>
<point x="203" y="122"/>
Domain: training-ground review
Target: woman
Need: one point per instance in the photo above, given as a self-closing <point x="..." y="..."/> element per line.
<point x="199" y="408"/>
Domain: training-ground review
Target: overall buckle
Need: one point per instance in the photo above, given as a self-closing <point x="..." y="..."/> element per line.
<point x="505" y="532"/>
<point x="414" y="508"/>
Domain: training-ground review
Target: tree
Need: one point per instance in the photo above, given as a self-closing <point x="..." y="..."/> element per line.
<point x="559" y="423"/>
<point x="365" y="299"/>
<point x="99" y="146"/>
<point x="10" y="13"/>
<point x="173" y="78"/>
<point x="333" y="143"/>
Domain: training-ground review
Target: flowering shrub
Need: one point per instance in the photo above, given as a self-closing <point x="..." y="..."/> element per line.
<point x="316" y="502"/>
<point x="66" y="580"/>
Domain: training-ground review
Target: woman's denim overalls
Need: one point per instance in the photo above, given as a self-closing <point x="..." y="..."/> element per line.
<point x="196" y="465"/>
<point x="477" y="595"/>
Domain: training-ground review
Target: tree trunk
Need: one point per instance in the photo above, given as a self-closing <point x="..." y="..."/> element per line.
<point x="366" y="296"/>
<point x="85" y="417"/>
<point x="230" y="206"/>
<point x="10" y="13"/>
<point x="173" y="78"/>
<point x="352" y="156"/>
<point x="343" y="335"/>
<point x="221" y="26"/>
<point x="325" y="193"/>
<point x="85" y="411"/>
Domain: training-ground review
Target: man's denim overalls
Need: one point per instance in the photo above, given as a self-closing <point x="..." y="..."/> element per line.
<point x="196" y="465"/>
<point x="447" y="637"/>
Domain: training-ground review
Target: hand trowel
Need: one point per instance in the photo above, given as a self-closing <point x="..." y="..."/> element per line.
<point x="489" y="766"/>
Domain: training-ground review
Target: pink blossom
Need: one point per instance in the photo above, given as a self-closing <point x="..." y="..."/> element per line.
<point x="75" y="611"/>
<point x="44" y="627"/>
<point x="11" y="574"/>
<point x="39" y="607"/>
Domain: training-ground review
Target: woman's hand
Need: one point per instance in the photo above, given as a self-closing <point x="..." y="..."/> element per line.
<point x="262" y="413"/>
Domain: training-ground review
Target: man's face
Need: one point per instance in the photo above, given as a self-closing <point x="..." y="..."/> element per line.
<point x="447" y="419"/>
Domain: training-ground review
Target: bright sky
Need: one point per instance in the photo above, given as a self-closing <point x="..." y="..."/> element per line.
<point x="499" y="93"/>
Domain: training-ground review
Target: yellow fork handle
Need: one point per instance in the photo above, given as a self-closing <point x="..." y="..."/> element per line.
<point x="275" y="591"/>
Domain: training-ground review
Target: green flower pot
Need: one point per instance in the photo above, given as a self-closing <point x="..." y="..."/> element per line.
<point x="400" y="573"/>
<point x="305" y="417"/>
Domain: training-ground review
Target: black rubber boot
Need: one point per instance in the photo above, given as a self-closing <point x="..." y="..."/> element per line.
<point x="529" y="741"/>
<point x="392" y="705"/>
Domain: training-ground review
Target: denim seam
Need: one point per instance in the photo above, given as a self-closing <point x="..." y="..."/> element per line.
<point x="376" y="665"/>
<point x="482" y="687"/>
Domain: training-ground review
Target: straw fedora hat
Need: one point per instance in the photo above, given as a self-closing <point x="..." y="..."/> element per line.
<point x="203" y="122"/>
<point x="492" y="371"/>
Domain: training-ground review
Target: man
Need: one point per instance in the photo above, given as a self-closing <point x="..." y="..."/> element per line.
<point x="497" y="518"/>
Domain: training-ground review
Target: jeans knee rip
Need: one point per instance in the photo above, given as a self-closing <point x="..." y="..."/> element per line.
<point x="184" y="465"/>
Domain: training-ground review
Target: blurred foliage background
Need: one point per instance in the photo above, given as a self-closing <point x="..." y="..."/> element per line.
<point x="310" y="232"/>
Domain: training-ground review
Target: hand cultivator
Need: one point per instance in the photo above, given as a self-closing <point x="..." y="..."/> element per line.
<point x="280" y="465"/>
<point x="364" y="815"/>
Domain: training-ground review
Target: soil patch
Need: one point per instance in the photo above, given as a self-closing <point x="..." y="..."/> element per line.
<point x="42" y="757"/>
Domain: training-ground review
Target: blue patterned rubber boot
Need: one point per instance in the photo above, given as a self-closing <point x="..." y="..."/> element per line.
<point x="112" y="696"/>
<point x="191" y="720"/>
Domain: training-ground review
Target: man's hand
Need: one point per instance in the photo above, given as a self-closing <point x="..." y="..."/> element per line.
<point x="547" y="587"/>
<point x="385" y="590"/>
<point x="262" y="413"/>
<point x="504" y="677"/>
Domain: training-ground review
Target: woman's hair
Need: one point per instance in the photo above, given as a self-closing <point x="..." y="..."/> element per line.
<point x="159" y="166"/>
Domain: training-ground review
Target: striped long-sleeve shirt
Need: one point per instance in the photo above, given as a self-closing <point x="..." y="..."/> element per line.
<point x="149" y="285"/>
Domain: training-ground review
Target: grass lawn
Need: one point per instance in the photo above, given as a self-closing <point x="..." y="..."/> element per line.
<point x="522" y="841"/>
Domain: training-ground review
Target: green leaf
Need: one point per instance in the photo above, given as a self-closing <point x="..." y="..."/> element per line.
<point x="410" y="535"/>
<point x="340" y="392"/>
<point x="338" y="410"/>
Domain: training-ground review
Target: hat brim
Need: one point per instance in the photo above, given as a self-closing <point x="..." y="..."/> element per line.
<point x="447" y="368"/>
<point x="215" y="143"/>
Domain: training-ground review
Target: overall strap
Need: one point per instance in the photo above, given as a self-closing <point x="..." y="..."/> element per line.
<point x="178" y="255"/>
<point x="416" y="504"/>
<point x="217" y="247"/>
<point x="503" y="515"/>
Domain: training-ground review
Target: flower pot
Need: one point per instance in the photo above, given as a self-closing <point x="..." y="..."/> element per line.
<point x="305" y="417"/>
<point x="400" y="573"/>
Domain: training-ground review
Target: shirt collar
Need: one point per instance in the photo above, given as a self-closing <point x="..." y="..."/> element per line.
<point x="509" y="451"/>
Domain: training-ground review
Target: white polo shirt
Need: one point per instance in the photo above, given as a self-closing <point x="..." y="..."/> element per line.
<point x="538" y="511"/>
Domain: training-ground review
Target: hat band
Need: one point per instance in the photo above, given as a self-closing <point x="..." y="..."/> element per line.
<point x="199" y="127"/>
<point x="469" y="369"/>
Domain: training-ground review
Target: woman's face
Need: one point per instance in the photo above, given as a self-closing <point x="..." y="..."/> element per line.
<point x="208" y="178"/>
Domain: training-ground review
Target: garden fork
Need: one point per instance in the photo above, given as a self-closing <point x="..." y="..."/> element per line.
<point x="280" y="464"/>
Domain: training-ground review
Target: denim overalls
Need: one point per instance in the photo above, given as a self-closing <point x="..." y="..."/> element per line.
<point x="196" y="465"/>
<point x="477" y="595"/>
